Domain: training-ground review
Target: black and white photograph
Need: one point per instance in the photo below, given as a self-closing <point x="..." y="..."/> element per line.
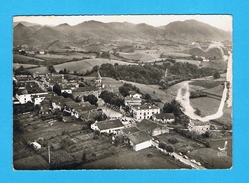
<point x="122" y="92"/>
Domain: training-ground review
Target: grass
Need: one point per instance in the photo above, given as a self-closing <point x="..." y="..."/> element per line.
<point x="41" y="70"/>
<point x="22" y="58"/>
<point x="149" y="158"/>
<point x="82" y="66"/>
<point x="206" y="83"/>
<point x="209" y="156"/>
<point x="26" y="66"/>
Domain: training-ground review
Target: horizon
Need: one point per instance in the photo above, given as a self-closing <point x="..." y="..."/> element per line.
<point x="223" y="22"/>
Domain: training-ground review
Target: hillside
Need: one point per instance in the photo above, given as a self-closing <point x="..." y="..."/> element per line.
<point x="185" y="31"/>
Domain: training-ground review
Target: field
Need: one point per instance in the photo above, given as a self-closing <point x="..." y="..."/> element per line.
<point x="22" y="58"/>
<point x="26" y="66"/>
<point x="82" y="66"/>
<point x="41" y="70"/>
<point x="141" y="55"/>
<point x="209" y="157"/>
<point x="149" y="158"/>
<point x="209" y="106"/>
<point x="206" y="83"/>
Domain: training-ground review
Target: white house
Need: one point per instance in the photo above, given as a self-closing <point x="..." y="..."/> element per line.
<point x="23" y="97"/>
<point x="110" y="126"/>
<point x="139" y="140"/>
<point x="144" y="112"/>
<point x="198" y="126"/>
<point x="36" y="145"/>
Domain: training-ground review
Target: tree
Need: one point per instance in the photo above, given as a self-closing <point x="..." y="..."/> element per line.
<point x="78" y="99"/>
<point x="216" y="75"/>
<point x="147" y="97"/>
<point x="162" y="145"/>
<point x="57" y="89"/>
<point x="92" y="99"/>
<point x="168" y="108"/>
<point x="51" y="69"/>
<point x="169" y="148"/>
<point x="173" y="140"/>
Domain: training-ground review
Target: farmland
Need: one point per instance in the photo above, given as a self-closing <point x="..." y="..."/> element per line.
<point x="82" y="66"/>
<point x="128" y="159"/>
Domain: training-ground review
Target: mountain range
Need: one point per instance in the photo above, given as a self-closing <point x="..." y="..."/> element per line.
<point x="93" y="31"/>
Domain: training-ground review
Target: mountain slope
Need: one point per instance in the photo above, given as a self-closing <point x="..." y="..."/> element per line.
<point x="186" y="31"/>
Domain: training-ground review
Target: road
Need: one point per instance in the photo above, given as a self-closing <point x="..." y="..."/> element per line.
<point x="186" y="161"/>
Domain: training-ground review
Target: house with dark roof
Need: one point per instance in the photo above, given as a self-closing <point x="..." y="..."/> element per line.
<point x="152" y="127"/>
<point x="198" y="126"/>
<point x="85" y="91"/>
<point x="75" y="109"/>
<point x="164" y="117"/>
<point x="58" y="102"/>
<point x="139" y="140"/>
<point x="109" y="126"/>
<point x="129" y="130"/>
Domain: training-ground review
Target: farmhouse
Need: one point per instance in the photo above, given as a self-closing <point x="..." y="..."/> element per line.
<point x="23" y="96"/>
<point x="144" y="112"/>
<point x="139" y="140"/>
<point x="198" y="126"/>
<point x="164" y="117"/>
<point x="110" y="126"/>
<point x="152" y="128"/>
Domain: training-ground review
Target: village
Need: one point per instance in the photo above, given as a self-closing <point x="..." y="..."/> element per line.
<point x="67" y="121"/>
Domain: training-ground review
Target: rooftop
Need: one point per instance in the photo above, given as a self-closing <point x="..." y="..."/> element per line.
<point x="146" y="106"/>
<point x="139" y="137"/>
<point x="130" y="130"/>
<point x="165" y="116"/>
<point x="147" y="125"/>
<point x="104" y="125"/>
<point x="87" y="88"/>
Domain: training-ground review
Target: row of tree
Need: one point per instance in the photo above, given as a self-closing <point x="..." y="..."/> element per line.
<point x="111" y="98"/>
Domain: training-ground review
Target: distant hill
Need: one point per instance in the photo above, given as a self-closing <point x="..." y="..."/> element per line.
<point x="185" y="31"/>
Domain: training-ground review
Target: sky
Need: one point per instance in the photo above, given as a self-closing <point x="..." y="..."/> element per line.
<point x="223" y="22"/>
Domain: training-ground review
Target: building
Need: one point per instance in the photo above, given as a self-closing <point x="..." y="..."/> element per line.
<point x="134" y="94"/>
<point x="85" y="91"/>
<point x="75" y="109"/>
<point x="98" y="80"/>
<point x="36" y="145"/>
<point x="131" y="101"/>
<point x="152" y="128"/>
<point x="23" y="97"/>
<point x="139" y="140"/>
<point x="144" y="112"/>
<point x="58" y="102"/>
<point x="198" y="126"/>
<point x="109" y="126"/>
<point x="164" y="117"/>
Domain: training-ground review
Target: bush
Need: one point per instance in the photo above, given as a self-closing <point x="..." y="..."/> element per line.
<point x="173" y="140"/>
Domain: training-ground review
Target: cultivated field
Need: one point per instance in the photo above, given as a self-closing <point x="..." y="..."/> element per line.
<point x="82" y="66"/>
<point x="26" y="66"/>
<point x="149" y="158"/>
<point x="22" y="58"/>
